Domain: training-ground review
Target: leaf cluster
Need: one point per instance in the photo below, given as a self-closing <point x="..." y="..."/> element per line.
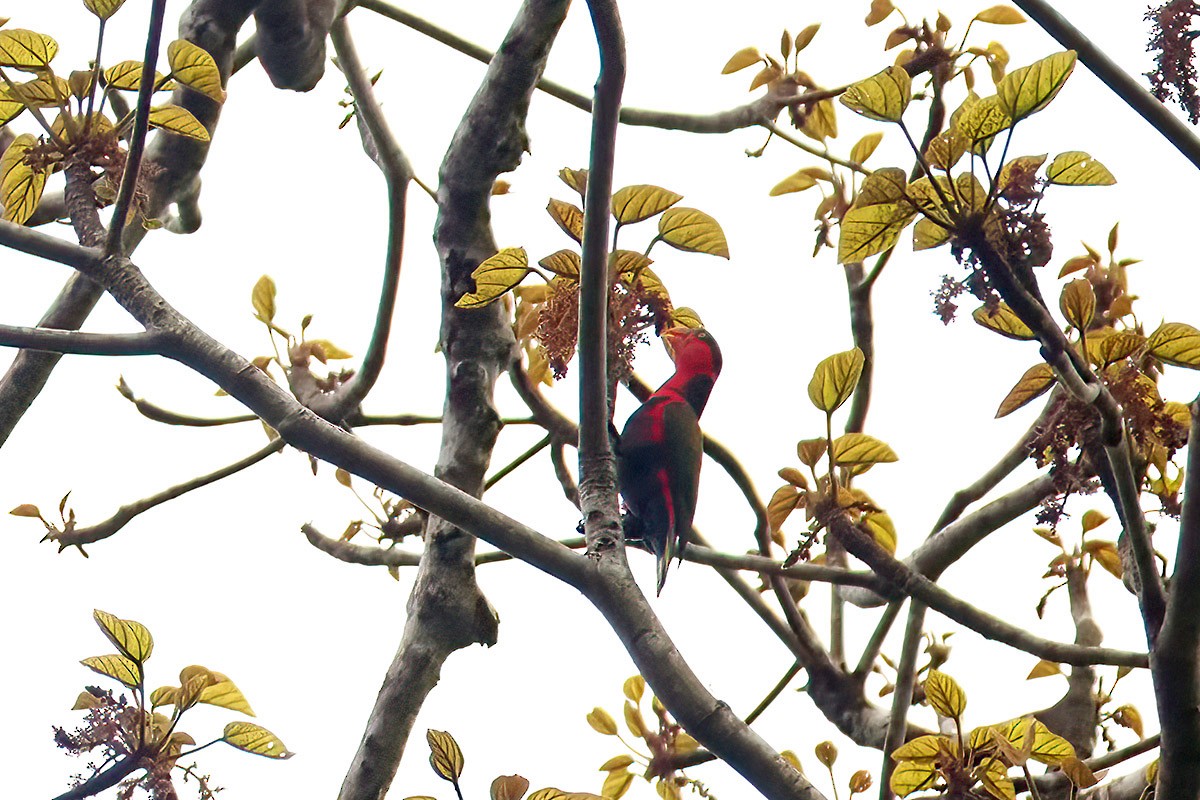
<point x="138" y="732"/>
<point x="982" y="757"/>
<point x="82" y="130"/>
<point x="546" y="315"/>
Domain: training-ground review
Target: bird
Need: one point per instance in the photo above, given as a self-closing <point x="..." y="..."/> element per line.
<point x="659" y="451"/>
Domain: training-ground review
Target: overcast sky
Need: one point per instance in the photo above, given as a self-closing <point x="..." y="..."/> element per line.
<point x="223" y="576"/>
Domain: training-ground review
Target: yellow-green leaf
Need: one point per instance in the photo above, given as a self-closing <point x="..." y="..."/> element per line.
<point x="810" y="451"/>
<point x="602" y="722"/>
<point x="495" y="276"/>
<point x="103" y="8"/>
<point x="225" y="694"/>
<point x="26" y="50"/>
<point x="117" y="667"/>
<point x="325" y="350"/>
<point x="693" y="231"/>
<point x="1000" y="15"/>
<point x="564" y="262"/>
<point x="923" y="749"/>
<point x="548" y="793"/>
<point x="1106" y="555"/>
<point x="195" y="68"/>
<point x="834" y="379"/>
<point x="568" y="216"/>
<point x="1036" y="380"/>
<point x="616" y="763"/>
<point x="787" y="498"/>
<point x="912" y="776"/>
<point x="9" y="109"/>
<point x="1048" y="747"/>
<point x="178" y="121"/>
<point x="445" y="756"/>
<point x="1117" y="345"/>
<point x="882" y="529"/>
<point x="628" y="264"/>
<point x="509" y="787"/>
<point x="945" y="696"/>
<point x="1092" y="519"/>
<point x="45" y="91"/>
<point x="1175" y="343"/>
<point x="796" y="182"/>
<point x="885" y="185"/>
<point x="969" y="193"/>
<point x="1044" y="669"/>
<point x="262" y="297"/>
<point x="1004" y="321"/>
<point x="127" y="76"/>
<point x="746" y="57"/>
<point x="928" y="234"/>
<point x="872" y="229"/>
<point x="804" y="37"/>
<point x="1128" y="716"/>
<point x="1029" y="89"/>
<point x="634" y="687"/>
<point x="20" y="185"/>
<point x="1078" y="303"/>
<point x="255" y="739"/>
<point x="685" y="317"/>
<point x="821" y="121"/>
<point x="1075" y="168"/>
<point x="85" y="701"/>
<point x="982" y="120"/>
<point x="865" y="146"/>
<point x="133" y="639"/>
<point x="636" y="203"/>
<point x="852" y="449"/>
<point x="883" y="97"/>
<point x="616" y="784"/>
<point x="165" y="696"/>
<point x="575" y="178"/>
<point x="945" y="149"/>
<point x="993" y="774"/>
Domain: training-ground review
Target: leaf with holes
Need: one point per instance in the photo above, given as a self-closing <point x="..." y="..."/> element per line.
<point x="1076" y="168"/>
<point x="255" y="739"/>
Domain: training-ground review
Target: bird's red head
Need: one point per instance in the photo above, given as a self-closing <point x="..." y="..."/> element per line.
<point x="694" y="351"/>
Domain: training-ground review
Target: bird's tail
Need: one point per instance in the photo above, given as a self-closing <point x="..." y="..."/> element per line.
<point x="664" y="561"/>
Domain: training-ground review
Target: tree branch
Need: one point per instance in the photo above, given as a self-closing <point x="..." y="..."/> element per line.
<point x="384" y="150"/>
<point x="1176" y="683"/>
<point x="76" y="537"/>
<point x="1173" y="129"/>
<point x="50" y="340"/>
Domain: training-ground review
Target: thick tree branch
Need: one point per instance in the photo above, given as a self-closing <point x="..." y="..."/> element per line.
<point x="446" y="610"/>
<point x="1176" y="682"/>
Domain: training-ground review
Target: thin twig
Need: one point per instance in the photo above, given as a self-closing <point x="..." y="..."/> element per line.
<point x="141" y="124"/>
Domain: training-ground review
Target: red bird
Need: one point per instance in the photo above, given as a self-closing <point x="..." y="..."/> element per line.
<point x="659" y="452"/>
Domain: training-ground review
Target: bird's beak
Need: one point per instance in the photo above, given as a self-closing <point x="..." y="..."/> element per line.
<point x="669" y="336"/>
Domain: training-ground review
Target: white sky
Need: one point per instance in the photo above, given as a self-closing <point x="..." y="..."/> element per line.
<point x="224" y="578"/>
